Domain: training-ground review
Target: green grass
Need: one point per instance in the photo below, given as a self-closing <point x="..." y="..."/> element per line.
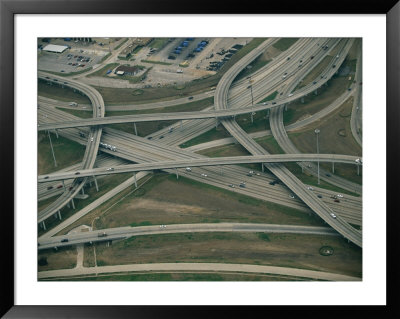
<point x="67" y="153"/>
<point x="270" y="97"/>
<point x="270" y="144"/>
<point x="119" y="45"/>
<point x="211" y="135"/>
<point x="158" y="43"/>
<point x="137" y="49"/>
<point x="174" y="277"/>
<point x="241" y="198"/>
<point x="105" y="57"/>
<point x="284" y="43"/>
<point x="65" y="74"/>
<point x="256" y="65"/>
<point x="103" y="70"/>
<point x="313" y="180"/>
<point x="79" y="113"/>
<point x="63" y="94"/>
<point x="156" y="62"/>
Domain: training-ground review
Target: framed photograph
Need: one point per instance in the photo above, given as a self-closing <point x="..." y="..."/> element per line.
<point x="168" y="155"/>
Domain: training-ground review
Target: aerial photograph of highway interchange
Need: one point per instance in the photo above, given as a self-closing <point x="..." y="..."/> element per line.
<point x="199" y="159"/>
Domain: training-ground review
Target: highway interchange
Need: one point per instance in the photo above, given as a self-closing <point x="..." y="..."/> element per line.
<point x="230" y="100"/>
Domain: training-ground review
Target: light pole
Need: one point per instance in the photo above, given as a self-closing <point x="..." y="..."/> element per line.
<point x="52" y="151"/>
<point x="317" y="132"/>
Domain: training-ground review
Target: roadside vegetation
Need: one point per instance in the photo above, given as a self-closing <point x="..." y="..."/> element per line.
<point x="282" y="250"/>
<point x="67" y="153"/>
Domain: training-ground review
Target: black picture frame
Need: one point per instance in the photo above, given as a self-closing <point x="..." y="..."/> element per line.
<point x="8" y="10"/>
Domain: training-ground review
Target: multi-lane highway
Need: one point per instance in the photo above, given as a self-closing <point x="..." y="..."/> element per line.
<point x="220" y="100"/>
<point x="256" y="159"/>
<point x="184" y="134"/>
<point x="91" y="149"/>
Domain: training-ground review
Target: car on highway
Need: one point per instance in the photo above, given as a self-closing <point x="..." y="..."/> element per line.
<point x="291" y="196"/>
<point x="265" y="103"/>
<point x="339" y="195"/>
<point x="334" y="66"/>
<point x="162" y="136"/>
<point x="231" y="185"/>
<point x="336" y="200"/>
<point x="59" y="186"/>
<point x="91" y="139"/>
<point x="64" y="240"/>
<point x="190" y="97"/>
<point x="284" y="75"/>
<point x="77" y="173"/>
<point x="273" y="103"/>
<point x="242" y="184"/>
<point x="333" y="215"/>
<point x="188" y="169"/>
<point x="310" y="188"/>
<point x="319" y="196"/>
<point x="103" y="234"/>
<point x="150" y="137"/>
<point x="110" y="169"/>
<point x="329" y="175"/>
<point x="204" y="175"/>
<point x="46" y="177"/>
<point x="50" y="187"/>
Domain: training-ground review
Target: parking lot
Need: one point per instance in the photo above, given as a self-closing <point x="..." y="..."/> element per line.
<point x="68" y="61"/>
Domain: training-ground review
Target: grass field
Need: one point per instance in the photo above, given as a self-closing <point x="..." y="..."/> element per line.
<point x="62" y="258"/>
<point x="67" y="153"/>
<point x="63" y="94"/>
<point x="284" y="43"/>
<point x="284" y="250"/>
<point x="204" y="276"/>
<point x="211" y="135"/>
<point x="165" y="200"/>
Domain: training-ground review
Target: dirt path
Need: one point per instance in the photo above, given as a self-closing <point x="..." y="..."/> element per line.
<point x="215" y="267"/>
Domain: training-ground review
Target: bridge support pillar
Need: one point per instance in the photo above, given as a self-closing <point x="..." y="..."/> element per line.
<point x="302" y="168"/>
<point x="43" y="225"/>
<point x="358" y="169"/>
<point x="302" y="99"/>
<point x="220" y="170"/>
<point x="63" y="184"/>
<point x="181" y="125"/>
<point x="316" y="92"/>
<point x="134" y="175"/>
<point x="177" y="174"/>
<point x="73" y="204"/>
<point x="285" y="107"/>
<point x="59" y="215"/>
<point x="83" y="190"/>
<point x="268" y="113"/>
<point x="95" y="183"/>
<point x="251" y="116"/>
<point x="262" y="167"/>
<point x="333" y="167"/>
<point x="134" y="125"/>
<point x="55" y="131"/>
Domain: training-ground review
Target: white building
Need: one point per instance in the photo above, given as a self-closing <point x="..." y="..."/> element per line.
<point x="55" y="48"/>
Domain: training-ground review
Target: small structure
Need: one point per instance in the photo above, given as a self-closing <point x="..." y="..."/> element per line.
<point x="55" y="48"/>
<point x="127" y="69"/>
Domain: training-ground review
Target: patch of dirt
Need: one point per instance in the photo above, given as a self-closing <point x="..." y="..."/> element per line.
<point x="284" y="250"/>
